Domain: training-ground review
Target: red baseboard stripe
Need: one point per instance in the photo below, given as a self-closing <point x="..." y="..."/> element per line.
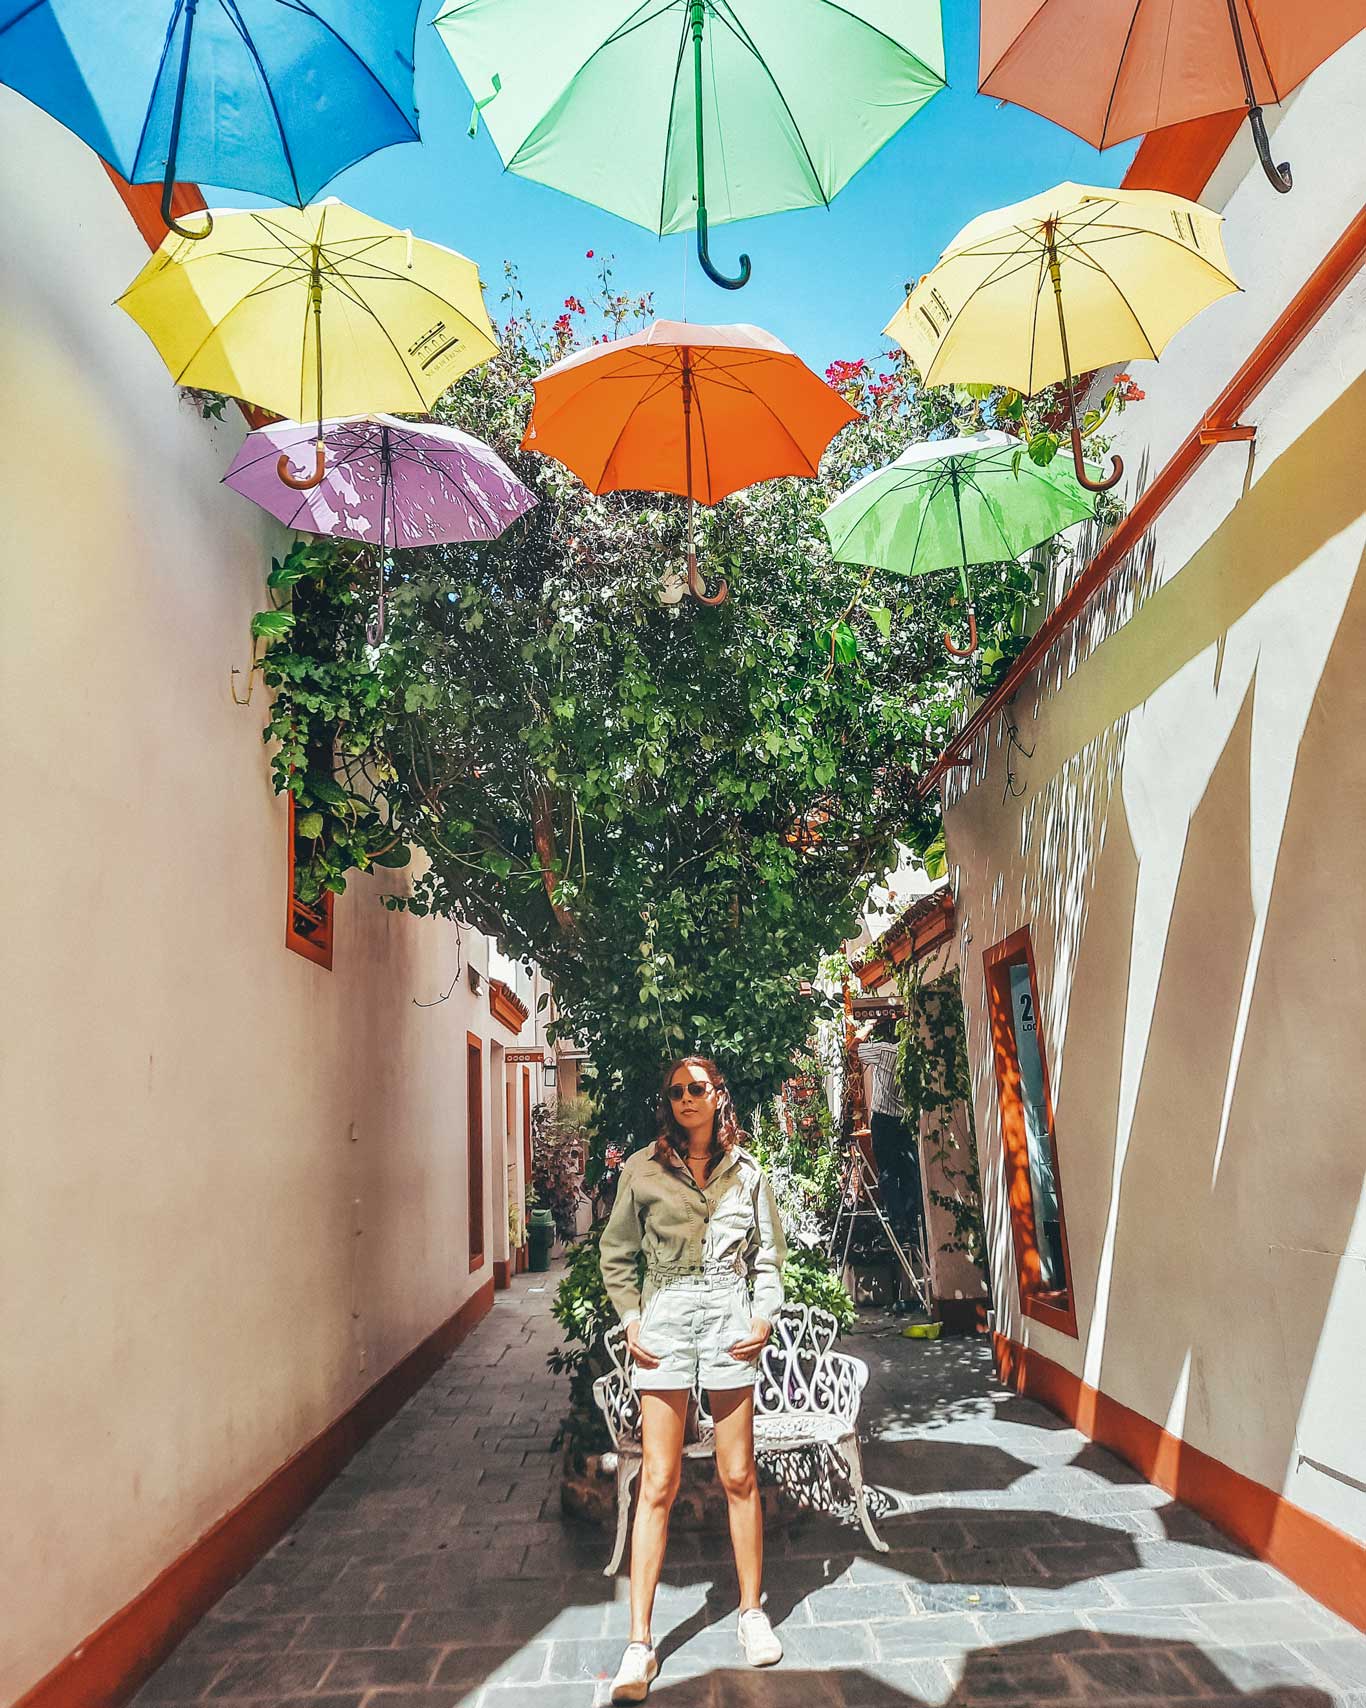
<point x="502" y="1273"/>
<point x="106" y="1669"/>
<point x="1324" y="1561"/>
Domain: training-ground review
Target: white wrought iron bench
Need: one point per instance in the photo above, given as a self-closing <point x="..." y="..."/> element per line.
<point x="807" y="1396"/>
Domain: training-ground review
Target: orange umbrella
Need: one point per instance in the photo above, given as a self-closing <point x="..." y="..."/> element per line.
<point x="1117" y="70"/>
<point x="697" y="410"/>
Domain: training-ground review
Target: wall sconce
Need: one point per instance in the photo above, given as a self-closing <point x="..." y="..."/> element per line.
<point x="550" y="1070"/>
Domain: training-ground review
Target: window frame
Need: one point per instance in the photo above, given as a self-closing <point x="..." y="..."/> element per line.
<point x="474" y="1147"/>
<point x="1056" y="1307"/>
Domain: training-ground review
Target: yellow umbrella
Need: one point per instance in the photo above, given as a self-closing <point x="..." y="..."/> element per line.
<point x="1133" y="265"/>
<point x="311" y="313"/>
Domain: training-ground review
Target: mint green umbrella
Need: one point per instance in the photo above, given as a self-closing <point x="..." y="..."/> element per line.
<point x="624" y="103"/>
<point x="952" y="503"/>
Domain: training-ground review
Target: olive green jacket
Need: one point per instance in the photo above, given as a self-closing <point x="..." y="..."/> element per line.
<point x="662" y="1211"/>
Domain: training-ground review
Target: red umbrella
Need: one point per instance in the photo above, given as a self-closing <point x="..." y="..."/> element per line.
<point x="1113" y="69"/>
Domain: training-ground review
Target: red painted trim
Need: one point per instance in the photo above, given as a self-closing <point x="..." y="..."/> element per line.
<point x="1182" y="158"/>
<point x="1323" y="1560"/>
<point x="506" y="1005"/>
<point x="113" y="1661"/>
<point x="1055" y="1308"/>
<point x="502" y="1273"/>
<point x="474" y="1144"/>
<point x="1311" y="302"/>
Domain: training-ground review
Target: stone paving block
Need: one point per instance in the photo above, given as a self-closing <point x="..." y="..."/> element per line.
<point x="1181" y="1586"/>
<point x="334" y="1631"/>
<point x="888" y="1686"/>
<point x="1249" y="1580"/>
<point x="1002" y="1676"/>
<point x="182" y="1678"/>
<point x="1134" y="1672"/>
<point x="356" y="1668"/>
<point x="1086" y="1593"/>
<point x="963" y="1598"/>
<point x="246" y="1636"/>
<point x="270" y="1675"/>
<point x="493" y="1664"/>
<point x="1343" y="1660"/>
<point x="770" y="1687"/>
<point x="1120" y="1626"/>
<point x="1251" y="1669"/>
<point x="583" y="1658"/>
<point x="929" y="1635"/>
<point x="1000" y="1630"/>
<point x="819" y="1646"/>
<point x="1285" y="1621"/>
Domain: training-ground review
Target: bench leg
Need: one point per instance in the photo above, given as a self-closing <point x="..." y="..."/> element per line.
<point x="848" y="1450"/>
<point x="627" y="1469"/>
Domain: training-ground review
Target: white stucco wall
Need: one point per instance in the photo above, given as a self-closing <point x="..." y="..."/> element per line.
<point x="235" y="1183"/>
<point x="1186" y="852"/>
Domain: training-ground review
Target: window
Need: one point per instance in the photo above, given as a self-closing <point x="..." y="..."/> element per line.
<point x="1033" y="1180"/>
<point x="308" y="926"/>
<point x="474" y="1138"/>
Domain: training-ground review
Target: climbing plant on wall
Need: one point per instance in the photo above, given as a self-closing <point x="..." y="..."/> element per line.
<point x="933" y="1077"/>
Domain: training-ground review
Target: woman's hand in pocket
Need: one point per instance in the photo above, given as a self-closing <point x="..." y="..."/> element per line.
<point x="751" y="1345"/>
<point x="641" y="1354"/>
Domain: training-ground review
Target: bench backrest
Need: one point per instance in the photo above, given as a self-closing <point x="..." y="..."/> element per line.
<point x="799" y="1371"/>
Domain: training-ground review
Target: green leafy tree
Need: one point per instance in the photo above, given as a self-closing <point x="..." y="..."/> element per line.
<point x="673" y="809"/>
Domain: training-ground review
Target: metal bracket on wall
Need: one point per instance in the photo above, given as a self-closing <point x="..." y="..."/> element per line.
<point x="1213" y="434"/>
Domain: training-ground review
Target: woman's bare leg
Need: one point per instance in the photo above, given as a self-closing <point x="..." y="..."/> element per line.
<point x="732" y="1410"/>
<point x="662" y="1414"/>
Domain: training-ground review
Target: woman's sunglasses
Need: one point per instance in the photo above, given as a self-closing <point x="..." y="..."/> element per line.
<point x="695" y="1088"/>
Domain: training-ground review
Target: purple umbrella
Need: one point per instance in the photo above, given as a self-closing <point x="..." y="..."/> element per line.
<point x="389" y="483"/>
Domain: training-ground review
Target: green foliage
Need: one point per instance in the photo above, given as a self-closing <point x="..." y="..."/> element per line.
<point x="933" y="1078"/>
<point x="560" y="1136"/>
<point x="585" y="1313"/>
<point x="808" y="1279"/>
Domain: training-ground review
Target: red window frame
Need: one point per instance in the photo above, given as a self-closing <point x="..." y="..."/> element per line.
<point x="308" y="930"/>
<point x="526" y="1125"/>
<point x="474" y="1141"/>
<point x="1056" y="1307"/>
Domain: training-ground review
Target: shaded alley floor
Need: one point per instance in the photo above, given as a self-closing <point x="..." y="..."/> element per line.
<point x="1028" y="1566"/>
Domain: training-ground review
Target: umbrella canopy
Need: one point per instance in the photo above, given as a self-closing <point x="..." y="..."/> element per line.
<point x="624" y="105"/>
<point x="952" y="503"/>
<point x="269" y="96"/>
<point x="1110" y="72"/>
<point x="697" y="410"/>
<point x="311" y="312"/>
<point x="1130" y="266"/>
<point x="390" y="483"/>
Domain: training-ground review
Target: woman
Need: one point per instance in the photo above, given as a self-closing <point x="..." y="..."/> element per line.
<point x="702" y="1212"/>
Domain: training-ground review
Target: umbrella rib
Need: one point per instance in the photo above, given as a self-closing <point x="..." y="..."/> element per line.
<point x="786" y="431"/>
<point x="366" y="67"/>
<point x="660" y="382"/>
<point x="235" y="18"/>
<point x="628" y="24"/>
<point x="156" y="82"/>
<point x="669" y="122"/>
<point x="970" y="479"/>
<point x="1090" y="261"/>
<point x="899" y="46"/>
<point x="1119" y="69"/>
<point x="737" y="29"/>
<point x="1034" y="318"/>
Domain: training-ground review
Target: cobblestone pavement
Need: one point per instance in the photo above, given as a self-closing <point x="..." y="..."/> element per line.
<point x="1027" y="1566"/>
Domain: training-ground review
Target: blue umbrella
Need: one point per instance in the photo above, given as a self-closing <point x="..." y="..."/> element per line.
<point x="270" y="96"/>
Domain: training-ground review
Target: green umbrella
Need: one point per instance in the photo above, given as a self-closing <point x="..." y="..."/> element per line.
<point x="951" y="503"/>
<point x="624" y="102"/>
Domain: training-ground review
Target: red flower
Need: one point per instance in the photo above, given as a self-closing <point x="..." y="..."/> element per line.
<point x="574" y="305"/>
<point x="563" y="325"/>
<point x="588" y="255"/>
<point x="1127" y="391"/>
<point x="843" y="373"/>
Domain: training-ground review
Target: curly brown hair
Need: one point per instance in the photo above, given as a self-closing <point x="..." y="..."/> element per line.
<point x="725" y="1132"/>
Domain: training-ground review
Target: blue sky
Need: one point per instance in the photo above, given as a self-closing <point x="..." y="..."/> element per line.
<point x="825" y="280"/>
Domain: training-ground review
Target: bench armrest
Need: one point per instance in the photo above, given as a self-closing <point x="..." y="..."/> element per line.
<point x="617" y="1401"/>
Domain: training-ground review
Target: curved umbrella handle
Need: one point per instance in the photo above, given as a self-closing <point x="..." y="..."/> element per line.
<point x="708" y="266"/>
<point x="1280" y="177"/>
<point x="698" y="588"/>
<point x="169" y="220"/>
<point x="1079" y="464"/>
<point x="968" y="650"/>
<point x="304" y="483"/>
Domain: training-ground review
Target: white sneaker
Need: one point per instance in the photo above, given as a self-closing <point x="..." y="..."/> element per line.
<point x="636" y="1673"/>
<point x="758" y="1638"/>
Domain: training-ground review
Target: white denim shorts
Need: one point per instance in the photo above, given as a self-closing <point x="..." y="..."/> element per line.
<point x="688" y="1319"/>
